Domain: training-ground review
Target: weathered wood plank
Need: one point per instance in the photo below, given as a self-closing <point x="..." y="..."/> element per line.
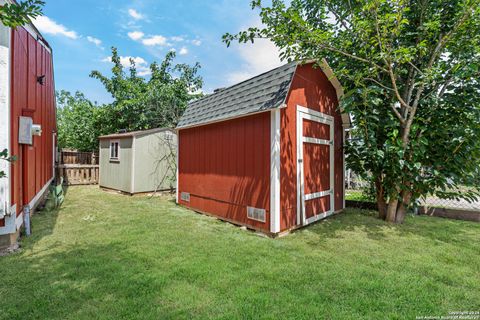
<point x="79" y="174"/>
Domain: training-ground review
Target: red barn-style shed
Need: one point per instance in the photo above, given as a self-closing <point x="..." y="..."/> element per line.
<point x="267" y="152"/>
<point x="26" y="98"/>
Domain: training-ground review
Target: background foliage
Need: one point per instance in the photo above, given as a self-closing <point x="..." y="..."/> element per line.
<point x="411" y="73"/>
<point x="14" y="15"/>
<point x="78" y="121"/>
<point x="138" y="103"/>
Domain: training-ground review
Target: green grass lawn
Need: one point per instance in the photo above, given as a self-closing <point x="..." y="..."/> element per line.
<point x="356" y="195"/>
<point x="108" y="256"/>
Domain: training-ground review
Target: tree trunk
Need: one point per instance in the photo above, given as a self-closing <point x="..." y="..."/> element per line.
<point x="382" y="208"/>
<point x="401" y="212"/>
<point x="381" y="203"/>
<point x="403" y="206"/>
<point x="392" y="211"/>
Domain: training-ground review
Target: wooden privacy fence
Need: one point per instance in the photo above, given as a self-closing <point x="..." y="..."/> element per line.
<point x="78" y="168"/>
<point x="76" y="157"/>
<point x="79" y="174"/>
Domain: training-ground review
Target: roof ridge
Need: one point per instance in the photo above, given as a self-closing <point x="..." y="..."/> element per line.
<point x="260" y="93"/>
<point x="242" y="82"/>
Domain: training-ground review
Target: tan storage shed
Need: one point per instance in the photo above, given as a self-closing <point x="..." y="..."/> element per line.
<point x="139" y="161"/>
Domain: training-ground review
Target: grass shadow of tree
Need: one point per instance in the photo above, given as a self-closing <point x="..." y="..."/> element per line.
<point x="366" y="221"/>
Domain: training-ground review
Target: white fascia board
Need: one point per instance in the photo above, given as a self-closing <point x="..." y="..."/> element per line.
<point x="346" y="119"/>
<point x="132" y="170"/>
<point x="282" y="106"/>
<point x="275" y="171"/>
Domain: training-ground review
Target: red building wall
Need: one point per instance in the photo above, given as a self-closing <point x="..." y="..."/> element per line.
<point x="225" y="167"/>
<point x="33" y="168"/>
<point x="310" y="88"/>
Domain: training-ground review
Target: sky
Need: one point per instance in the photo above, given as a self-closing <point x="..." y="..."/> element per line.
<point x="81" y="34"/>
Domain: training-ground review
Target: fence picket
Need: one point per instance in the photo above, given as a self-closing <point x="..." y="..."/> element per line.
<point x="78" y="168"/>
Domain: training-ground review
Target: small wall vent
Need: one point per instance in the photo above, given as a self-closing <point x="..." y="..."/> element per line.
<point x="185" y="196"/>
<point x="256" y="214"/>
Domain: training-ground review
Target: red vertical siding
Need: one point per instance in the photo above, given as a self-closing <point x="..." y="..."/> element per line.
<point x="33" y="167"/>
<point x="225" y="167"/>
<point x="310" y="88"/>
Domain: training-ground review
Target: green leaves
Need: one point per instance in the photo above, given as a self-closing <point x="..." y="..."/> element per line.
<point x="15" y="15"/>
<point x="79" y="122"/>
<point x="4" y="157"/>
<point x="138" y="103"/>
<point x="410" y="70"/>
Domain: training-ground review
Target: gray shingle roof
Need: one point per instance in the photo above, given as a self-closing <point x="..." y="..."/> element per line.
<point x="264" y="92"/>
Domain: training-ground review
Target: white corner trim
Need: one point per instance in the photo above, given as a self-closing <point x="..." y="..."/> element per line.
<point x="344" y="165"/>
<point x="5" y="108"/>
<point x="275" y="171"/>
<point x="178" y="164"/>
<point x="132" y="171"/>
<point x="332" y="167"/>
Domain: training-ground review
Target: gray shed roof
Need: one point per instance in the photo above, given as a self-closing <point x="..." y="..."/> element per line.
<point x="134" y="133"/>
<point x="261" y="93"/>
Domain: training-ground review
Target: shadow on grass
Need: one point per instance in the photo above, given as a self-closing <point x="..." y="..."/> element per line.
<point x="44" y="220"/>
<point x="366" y="221"/>
<point x="95" y="280"/>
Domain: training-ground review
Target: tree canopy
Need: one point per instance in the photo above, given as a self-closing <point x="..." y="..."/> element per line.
<point x="411" y="73"/>
<point x="157" y="102"/>
<point x="17" y="14"/>
<point x="78" y="121"/>
<point x="138" y="103"/>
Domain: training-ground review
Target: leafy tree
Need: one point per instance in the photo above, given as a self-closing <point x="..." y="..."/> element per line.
<point x="411" y="74"/>
<point x="17" y="14"/>
<point x="14" y="15"/>
<point x="77" y="122"/>
<point x="143" y="104"/>
<point x="5" y="157"/>
<point x="138" y="103"/>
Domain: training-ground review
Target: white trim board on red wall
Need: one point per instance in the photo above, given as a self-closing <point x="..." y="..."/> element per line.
<point x="275" y="171"/>
<point x="5" y="65"/>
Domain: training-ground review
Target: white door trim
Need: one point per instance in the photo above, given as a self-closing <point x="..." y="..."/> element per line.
<point x="312" y="115"/>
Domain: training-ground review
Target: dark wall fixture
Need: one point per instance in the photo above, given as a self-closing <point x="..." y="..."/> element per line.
<point x="41" y="80"/>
